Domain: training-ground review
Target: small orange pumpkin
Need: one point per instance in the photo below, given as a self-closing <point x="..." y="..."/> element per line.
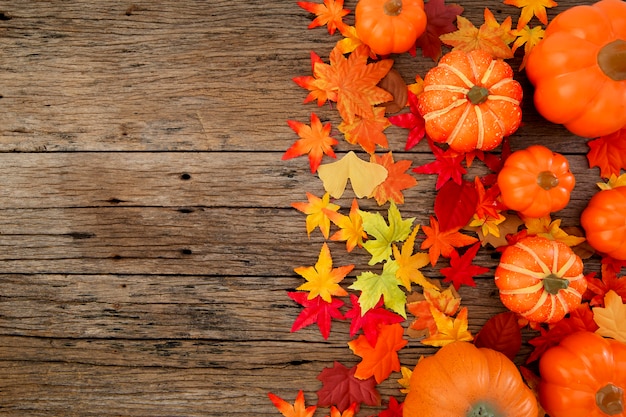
<point x="389" y="26"/>
<point x="535" y="181"/>
<point x="470" y="101"/>
<point x="541" y="279"/>
<point x="604" y="221"/>
<point x="463" y="380"/>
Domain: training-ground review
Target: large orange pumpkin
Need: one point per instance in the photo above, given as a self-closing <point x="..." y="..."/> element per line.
<point x="579" y="69"/>
<point x="541" y="279"/>
<point x="461" y="380"/>
<point x="604" y="221"/>
<point x="470" y="101"/>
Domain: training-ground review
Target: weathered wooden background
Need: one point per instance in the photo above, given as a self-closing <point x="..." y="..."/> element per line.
<point x="146" y="234"/>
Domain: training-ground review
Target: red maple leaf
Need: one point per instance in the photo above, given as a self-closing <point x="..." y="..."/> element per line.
<point x="394" y="409"/>
<point x="580" y="319"/>
<point x="341" y="388"/>
<point x="396" y="181"/>
<point x="440" y="18"/>
<point x="316" y="310"/>
<point x="412" y="121"/>
<point x="447" y="165"/>
<point x="371" y="321"/>
<point x="488" y="204"/>
<point x="502" y="333"/>
<point x="609" y="153"/>
<point x="330" y="14"/>
<point x="455" y="204"/>
<point x="598" y="287"/>
<point x="461" y="270"/>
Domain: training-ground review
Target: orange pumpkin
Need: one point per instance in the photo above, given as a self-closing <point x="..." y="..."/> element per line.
<point x="584" y="376"/>
<point x="535" y="181"/>
<point x="579" y="69"/>
<point x="470" y="101"/>
<point x="541" y="279"/>
<point x="389" y="26"/>
<point x="463" y="380"/>
<point x="604" y="221"/>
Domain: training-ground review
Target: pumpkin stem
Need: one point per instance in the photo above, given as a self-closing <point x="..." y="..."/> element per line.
<point x="477" y="94"/>
<point x="553" y="284"/>
<point x="547" y="180"/>
<point x="610" y="399"/>
<point x="393" y="7"/>
<point x="481" y="410"/>
<point x="612" y="60"/>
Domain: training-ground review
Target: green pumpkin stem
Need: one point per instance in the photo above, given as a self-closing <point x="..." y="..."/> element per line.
<point x="477" y="95"/>
<point x="553" y="284"/>
<point x="393" y="7"/>
<point x="612" y="60"/>
<point x="481" y="410"/>
<point x="547" y="180"/>
<point x="610" y="399"/>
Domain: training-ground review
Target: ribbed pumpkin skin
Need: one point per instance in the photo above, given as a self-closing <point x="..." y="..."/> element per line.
<point x="521" y="273"/>
<point x="453" y="119"/>
<point x="573" y="372"/>
<point x="460" y="376"/>
<point x="604" y="221"/>
<point x="570" y="87"/>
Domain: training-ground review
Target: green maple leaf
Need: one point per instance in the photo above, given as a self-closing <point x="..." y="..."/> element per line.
<point x="384" y="234"/>
<point x="373" y="286"/>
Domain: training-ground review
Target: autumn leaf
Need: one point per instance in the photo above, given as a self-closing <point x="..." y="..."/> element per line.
<point x="322" y="279"/>
<point x="298" y="409"/>
<point x="442" y="243"/>
<point x="529" y="38"/>
<point x="396" y="181"/>
<point x="405" y="381"/>
<point x="349" y="412"/>
<point x="608" y="153"/>
<point x="490" y="37"/>
<point x="598" y="288"/>
<point x="316" y="210"/>
<point x="461" y="270"/>
<point x="495" y="231"/>
<point x="424" y="323"/>
<point x="367" y="131"/>
<point x="350" y="41"/>
<point x="531" y="8"/>
<point x="394" y="409"/>
<point x="310" y="83"/>
<point x="350" y="226"/>
<point x="341" y="388"/>
<point x="549" y="229"/>
<point x="455" y="204"/>
<point x="383" y="234"/>
<point x="373" y="286"/>
<point x="447" y="166"/>
<point x="440" y="19"/>
<point x="317" y="311"/>
<point x="611" y="318"/>
<point x="330" y="13"/>
<point x="447" y="301"/>
<point x="501" y="333"/>
<point x="409" y="264"/>
<point x="352" y="82"/>
<point x="314" y="140"/>
<point x="488" y="204"/>
<point x="364" y="176"/>
<point x="371" y="320"/>
<point x="412" y="120"/>
<point x="380" y="360"/>
<point x="449" y="329"/>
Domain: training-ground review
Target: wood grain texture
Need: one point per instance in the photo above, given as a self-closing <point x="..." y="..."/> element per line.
<point x="147" y="238"/>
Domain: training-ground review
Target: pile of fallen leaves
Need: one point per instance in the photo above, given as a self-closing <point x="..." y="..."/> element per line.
<point x="466" y="216"/>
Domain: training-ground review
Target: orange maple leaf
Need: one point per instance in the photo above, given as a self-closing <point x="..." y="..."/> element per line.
<point x="315" y="140"/>
<point x="351" y="226"/>
<point x="491" y="36"/>
<point x="397" y="179"/>
<point x="531" y="8"/>
<point x="316" y="210"/>
<point x="449" y="329"/>
<point x="608" y="153"/>
<point x="352" y="82"/>
<point x="309" y="82"/>
<point x="381" y="360"/>
<point x="443" y="243"/>
<point x="367" y="132"/>
<point x="330" y="13"/>
<point x="298" y="409"/>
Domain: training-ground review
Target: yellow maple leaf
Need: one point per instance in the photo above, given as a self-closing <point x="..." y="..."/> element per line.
<point x="489" y="225"/>
<point x="613" y="182"/>
<point x="364" y="176"/>
<point x="529" y="38"/>
<point x="409" y="264"/>
<point x="531" y="8"/>
<point x="323" y="279"/>
<point x="544" y="227"/>
<point x="405" y="381"/>
<point x="611" y="318"/>
<point x="351" y="227"/>
<point x="316" y="216"/>
<point x="449" y="329"/>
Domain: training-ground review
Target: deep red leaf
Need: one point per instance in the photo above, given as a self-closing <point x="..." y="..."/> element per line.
<point x="440" y="18"/>
<point x="341" y="388"/>
<point x="447" y="165"/>
<point x="455" y="204"/>
<point x="371" y="321"/>
<point x="501" y="333"/>
<point x="461" y="270"/>
<point x="317" y="311"/>
<point x="394" y="409"/>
